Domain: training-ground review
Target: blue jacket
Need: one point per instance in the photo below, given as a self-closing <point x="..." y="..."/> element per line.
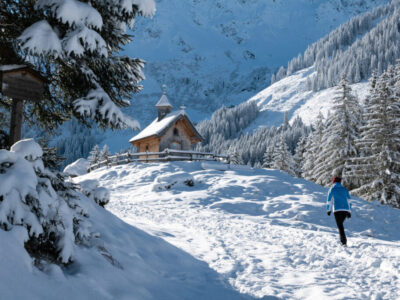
<point x="338" y="198"/>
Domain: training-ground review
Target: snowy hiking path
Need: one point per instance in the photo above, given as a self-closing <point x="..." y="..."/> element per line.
<point x="266" y="233"/>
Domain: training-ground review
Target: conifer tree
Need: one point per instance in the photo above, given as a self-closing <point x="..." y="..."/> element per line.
<point x="105" y="153"/>
<point x="268" y="157"/>
<point x="235" y="158"/>
<point x="94" y="156"/>
<point x="78" y="52"/>
<point x="299" y="155"/>
<point x="378" y="167"/>
<point x="46" y="205"/>
<point x="283" y="159"/>
<point x="339" y="135"/>
<point x="313" y="145"/>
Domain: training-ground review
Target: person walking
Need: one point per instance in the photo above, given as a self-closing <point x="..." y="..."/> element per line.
<point x="338" y="201"/>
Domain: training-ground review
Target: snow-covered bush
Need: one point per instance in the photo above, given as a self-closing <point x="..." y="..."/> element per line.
<point x="179" y="179"/>
<point x="42" y="202"/>
<point x="91" y="189"/>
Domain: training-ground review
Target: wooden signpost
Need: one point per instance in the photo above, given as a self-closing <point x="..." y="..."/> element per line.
<point x="19" y="82"/>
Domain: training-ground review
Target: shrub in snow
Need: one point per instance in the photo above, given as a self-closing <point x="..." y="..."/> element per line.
<point x="42" y="202"/>
<point x="90" y="188"/>
<point x="180" y="179"/>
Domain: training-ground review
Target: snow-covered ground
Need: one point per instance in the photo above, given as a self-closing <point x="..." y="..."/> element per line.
<point x="291" y="95"/>
<point x="263" y="231"/>
<point x="122" y="262"/>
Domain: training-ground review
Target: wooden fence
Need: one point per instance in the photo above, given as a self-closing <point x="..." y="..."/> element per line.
<point x="166" y="155"/>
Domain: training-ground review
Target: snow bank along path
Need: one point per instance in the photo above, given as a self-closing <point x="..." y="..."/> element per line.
<point x="262" y="230"/>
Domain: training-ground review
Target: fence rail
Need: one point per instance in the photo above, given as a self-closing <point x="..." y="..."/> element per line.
<point x="166" y="155"/>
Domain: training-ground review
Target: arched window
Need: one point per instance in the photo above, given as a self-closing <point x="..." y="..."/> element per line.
<point x="176" y="132"/>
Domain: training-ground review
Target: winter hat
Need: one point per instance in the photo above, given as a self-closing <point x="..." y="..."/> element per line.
<point x="336" y="179"/>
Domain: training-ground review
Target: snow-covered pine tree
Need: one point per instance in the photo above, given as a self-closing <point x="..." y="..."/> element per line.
<point x="48" y="207"/>
<point x="75" y="45"/>
<point x="285" y="124"/>
<point x="234" y="157"/>
<point x="299" y="155"/>
<point x="94" y="156"/>
<point x="268" y="157"/>
<point x="338" y="140"/>
<point x="378" y="167"/>
<point x="257" y="165"/>
<point x="283" y="159"/>
<point x="313" y="145"/>
<point x="104" y="153"/>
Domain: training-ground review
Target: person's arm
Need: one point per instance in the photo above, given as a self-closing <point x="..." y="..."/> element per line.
<point x="329" y="203"/>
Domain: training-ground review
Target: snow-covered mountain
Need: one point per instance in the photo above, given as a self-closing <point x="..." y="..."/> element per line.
<point x="264" y="232"/>
<point x="211" y="53"/>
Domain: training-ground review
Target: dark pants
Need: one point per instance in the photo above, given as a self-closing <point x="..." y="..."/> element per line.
<point x="340" y="216"/>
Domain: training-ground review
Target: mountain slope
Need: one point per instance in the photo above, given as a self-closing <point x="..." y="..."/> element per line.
<point x="211" y="53"/>
<point x="292" y="95"/>
<point x="264" y="231"/>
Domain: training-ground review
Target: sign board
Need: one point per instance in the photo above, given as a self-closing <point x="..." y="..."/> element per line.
<point x="21" y="84"/>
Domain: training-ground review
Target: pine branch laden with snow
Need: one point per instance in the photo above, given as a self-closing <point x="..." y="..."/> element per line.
<point x="338" y="138"/>
<point x="76" y="45"/>
<point x="98" y="105"/>
<point x="46" y="205"/>
<point x="92" y="190"/>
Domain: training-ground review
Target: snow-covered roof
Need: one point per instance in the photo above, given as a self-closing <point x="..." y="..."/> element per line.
<point x="5" y="68"/>
<point x="157" y="128"/>
<point x="163" y="102"/>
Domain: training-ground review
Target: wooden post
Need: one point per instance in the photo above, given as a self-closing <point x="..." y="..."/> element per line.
<point x="16" y="121"/>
